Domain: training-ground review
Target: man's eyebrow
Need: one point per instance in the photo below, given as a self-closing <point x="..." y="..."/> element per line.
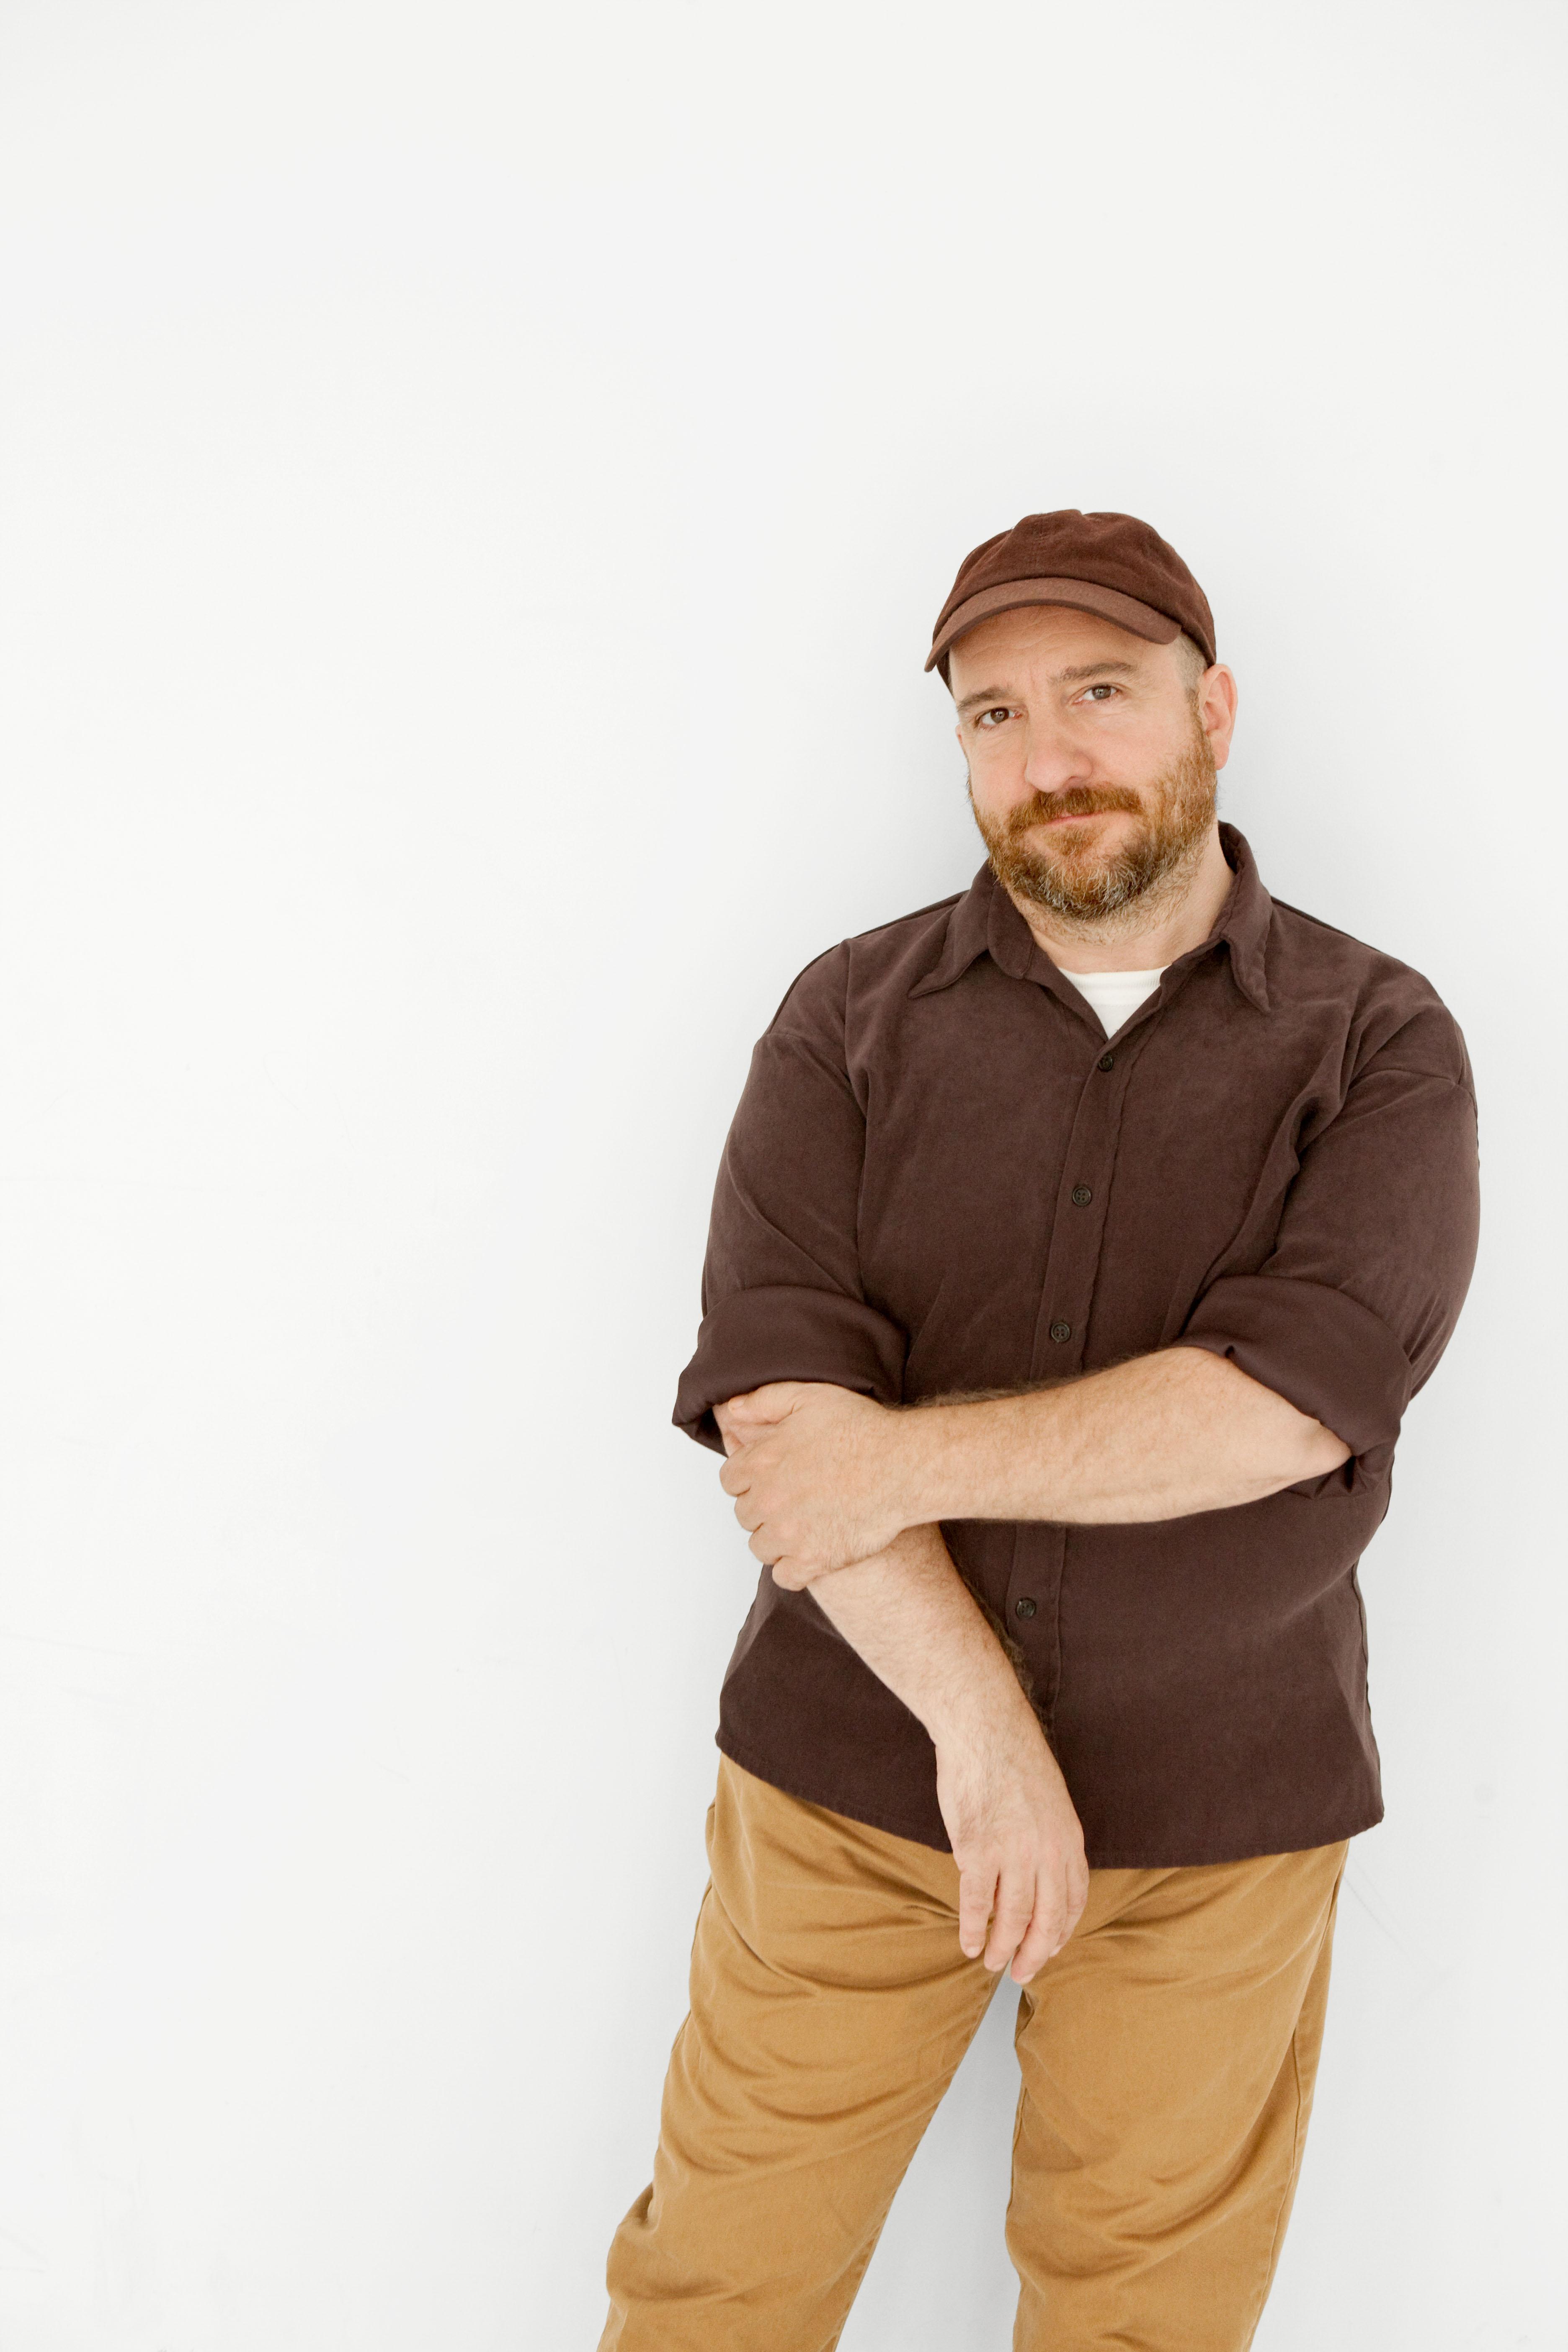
<point x="1076" y="676"/>
<point x="986" y="698"/>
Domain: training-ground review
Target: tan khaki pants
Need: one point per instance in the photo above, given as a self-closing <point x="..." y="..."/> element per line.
<point x="1168" y="2054"/>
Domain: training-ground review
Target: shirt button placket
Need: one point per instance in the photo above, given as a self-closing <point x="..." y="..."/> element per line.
<point x="1074" y="1256"/>
<point x="1072" y="1262"/>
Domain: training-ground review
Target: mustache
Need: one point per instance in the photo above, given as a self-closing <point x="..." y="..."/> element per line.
<point x="1079" y="800"/>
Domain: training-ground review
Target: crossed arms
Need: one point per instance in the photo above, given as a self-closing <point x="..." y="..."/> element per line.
<point x="827" y="1477"/>
<point x="842" y="1494"/>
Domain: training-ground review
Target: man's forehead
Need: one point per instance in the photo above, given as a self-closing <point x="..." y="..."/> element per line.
<point x="1049" y="637"/>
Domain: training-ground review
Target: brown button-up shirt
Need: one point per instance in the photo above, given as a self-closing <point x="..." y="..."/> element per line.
<point x="944" y="1177"/>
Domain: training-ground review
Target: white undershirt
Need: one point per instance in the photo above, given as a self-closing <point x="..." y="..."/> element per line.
<point x="1115" y="995"/>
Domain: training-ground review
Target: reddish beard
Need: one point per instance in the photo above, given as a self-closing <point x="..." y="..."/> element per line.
<point x="1070" y="877"/>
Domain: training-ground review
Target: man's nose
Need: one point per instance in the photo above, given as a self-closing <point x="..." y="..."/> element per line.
<point x="1055" y="758"/>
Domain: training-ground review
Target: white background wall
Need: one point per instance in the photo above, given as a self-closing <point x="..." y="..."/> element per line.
<point x="477" y="483"/>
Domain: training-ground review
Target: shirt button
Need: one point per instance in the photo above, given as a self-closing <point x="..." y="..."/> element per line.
<point x="1106" y="1062"/>
<point x="1082" y="1196"/>
<point x="1061" y="1332"/>
<point x="1026" y="1607"/>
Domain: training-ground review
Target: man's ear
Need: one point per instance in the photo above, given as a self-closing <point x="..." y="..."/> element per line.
<point x="1217" y="700"/>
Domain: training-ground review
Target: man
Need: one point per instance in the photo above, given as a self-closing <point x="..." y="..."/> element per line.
<point x="1078" y="1244"/>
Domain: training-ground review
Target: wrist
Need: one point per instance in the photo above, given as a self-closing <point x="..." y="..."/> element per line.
<point x="984" y="1703"/>
<point x="927" y="1463"/>
<point x="981" y="1457"/>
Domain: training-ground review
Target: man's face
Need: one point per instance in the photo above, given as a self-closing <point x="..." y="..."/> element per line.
<point x="1092" y="755"/>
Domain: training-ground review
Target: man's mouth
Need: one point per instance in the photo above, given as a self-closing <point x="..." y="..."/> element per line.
<point x="1073" y="816"/>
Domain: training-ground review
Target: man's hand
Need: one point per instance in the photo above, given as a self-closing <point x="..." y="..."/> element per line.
<point x="1023" y="1879"/>
<point x="816" y="1476"/>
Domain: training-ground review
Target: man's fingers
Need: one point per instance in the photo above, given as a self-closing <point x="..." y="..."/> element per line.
<point x="748" y="1512"/>
<point x="789" y="1568"/>
<point x="1010" y="1921"/>
<point x="794" y="1575"/>
<point x="1046" y="1936"/>
<point x="976" y="1885"/>
<point x="1060" y="1902"/>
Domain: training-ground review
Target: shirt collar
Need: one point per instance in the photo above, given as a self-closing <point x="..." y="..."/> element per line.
<point x="985" y="921"/>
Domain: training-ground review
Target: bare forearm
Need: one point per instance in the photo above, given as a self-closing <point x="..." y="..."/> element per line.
<point x="823" y="1477"/>
<point x="1166" y="1434"/>
<point x="913" y="1619"/>
<point x="1015" y="1838"/>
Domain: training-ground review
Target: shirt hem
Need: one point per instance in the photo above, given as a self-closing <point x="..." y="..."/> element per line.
<point x="762" y="1767"/>
<point x="1243" y="1851"/>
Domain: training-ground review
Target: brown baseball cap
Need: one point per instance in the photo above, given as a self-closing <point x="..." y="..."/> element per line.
<point x="1111" y="564"/>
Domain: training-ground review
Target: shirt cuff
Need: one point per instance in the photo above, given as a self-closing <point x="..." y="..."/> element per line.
<point x="1317" y="1347"/>
<point x="787" y="1332"/>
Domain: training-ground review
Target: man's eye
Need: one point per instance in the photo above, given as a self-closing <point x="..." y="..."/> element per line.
<point x="987" y="717"/>
<point x="1090" y="692"/>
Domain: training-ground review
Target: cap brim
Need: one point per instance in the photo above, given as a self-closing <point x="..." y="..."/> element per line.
<point x="1080" y="595"/>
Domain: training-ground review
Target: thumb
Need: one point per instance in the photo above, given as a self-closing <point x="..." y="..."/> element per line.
<point x="771" y="1402"/>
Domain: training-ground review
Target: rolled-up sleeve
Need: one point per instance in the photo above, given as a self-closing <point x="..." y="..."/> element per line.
<point x="1350" y="1310"/>
<point x="781" y="1296"/>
